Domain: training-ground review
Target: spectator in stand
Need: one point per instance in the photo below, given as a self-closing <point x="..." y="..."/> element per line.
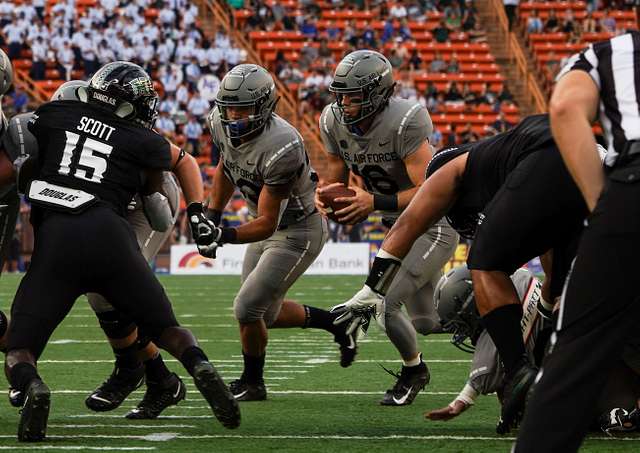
<point x="504" y="96"/>
<point x="569" y="24"/>
<point x="66" y="60"/>
<point x="453" y="67"/>
<point x="415" y="12"/>
<point x="290" y="74"/>
<point x="406" y="88"/>
<point x="193" y="72"/>
<point x="166" y="126"/>
<point x="437" y="64"/>
<point x="467" y="135"/>
<point x="469" y="16"/>
<point x="6" y="13"/>
<point x="398" y="11"/>
<point x="441" y="32"/>
<point x="19" y="100"/>
<point x="415" y="60"/>
<point x="325" y="53"/>
<point x="168" y="104"/>
<point x="477" y="35"/>
<point x="436" y="138"/>
<point x="551" y="65"/>
<point x="468" y="95"/>
<point x="388" y="30"/>
<point x="500" y="124"/>
<point x="552" y="25"/>
<point x="404" y="31"/>
<point x="453" y="20"/>
<point x="487" y="95"/>
<point x="589" y="24"/>
<point x="368" y="37"/>
<point x="14" y="35"/>
<point x="397" y="62"/>
<point x="198" y="106"/>
<point x="453" y="95"/>
<point x="607" y="23"/>
<point x="193" y="131"/>
<point x="308" y="55"/>
<point x="309" y="27"/>
<point x="431" y="91"/>
<point x="451" y="138"/>
<point x="534" y="23"/>
<point x="39" y="52"/>
<point x="511" y="8"/>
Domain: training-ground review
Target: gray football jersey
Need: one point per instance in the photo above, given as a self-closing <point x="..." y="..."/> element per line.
<point x="275" y="157"/>
<point x="377" y="156"/>
<point x="487" y="373"/>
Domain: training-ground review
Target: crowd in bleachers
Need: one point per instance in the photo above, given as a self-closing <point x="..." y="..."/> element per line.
<point x="555" y="30"/>
<point x="437" y="48"/>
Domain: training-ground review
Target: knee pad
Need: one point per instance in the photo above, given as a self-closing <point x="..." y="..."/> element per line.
<point x="115" y="324"/>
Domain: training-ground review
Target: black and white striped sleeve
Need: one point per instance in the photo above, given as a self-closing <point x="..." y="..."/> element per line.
<point x="586" y="61"/>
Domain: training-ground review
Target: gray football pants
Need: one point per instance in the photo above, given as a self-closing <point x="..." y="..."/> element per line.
<point x="150" y="241"/>
<point x="271" y="266"/>
<point x="413" y="287"/>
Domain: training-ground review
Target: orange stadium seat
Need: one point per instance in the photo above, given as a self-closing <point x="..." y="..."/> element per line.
<point x="559" y="6"/>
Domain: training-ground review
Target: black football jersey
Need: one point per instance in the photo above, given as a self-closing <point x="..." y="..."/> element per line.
<point x="81" y="146"/>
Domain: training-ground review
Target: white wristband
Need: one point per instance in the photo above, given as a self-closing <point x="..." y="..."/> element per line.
<point x="468" y="395"/>
<point x="386" y="255"/>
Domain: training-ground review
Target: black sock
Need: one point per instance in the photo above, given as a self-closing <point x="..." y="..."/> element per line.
<point x="253" y="368"/>
<point x="317" y="318"/>
<point x="21" y="374"/>
<point x="191" y="357"/>
<point x="127" y="357"/>
<point x="503" y="325"/>
<point x="155" y="370"/>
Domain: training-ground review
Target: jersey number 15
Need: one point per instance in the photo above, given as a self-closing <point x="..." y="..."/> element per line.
<point x="91" y="164"/>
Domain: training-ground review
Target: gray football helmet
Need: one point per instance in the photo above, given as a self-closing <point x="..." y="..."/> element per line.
<point x="73" y="90"/>
<point x="367" y="73"/>
<point x="6" y="73"/>
<point x="250" y="86"/>
<point x="456" y="305"/>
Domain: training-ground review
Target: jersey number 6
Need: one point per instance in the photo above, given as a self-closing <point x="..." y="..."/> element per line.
<point x="375" y="178"/>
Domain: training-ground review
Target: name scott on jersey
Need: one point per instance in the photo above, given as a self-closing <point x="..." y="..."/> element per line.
<point x="95" y="127"/>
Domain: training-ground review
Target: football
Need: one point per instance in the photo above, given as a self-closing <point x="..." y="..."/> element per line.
<point x="328" y="198"/>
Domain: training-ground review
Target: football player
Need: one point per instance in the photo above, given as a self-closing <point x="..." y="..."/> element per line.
<point x="152" y="218"/>
<point x="456" y="305"/>
<point x="513" y="196"/>
<point x="385" y="141"/>
<point x="264" y="157"/>
<point x="455" y="300"/>
<point x="93" y="156"/>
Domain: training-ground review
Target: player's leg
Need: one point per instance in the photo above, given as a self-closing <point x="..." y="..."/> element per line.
<point x="420" y="271"/>
<point x="128" y="372"/>
<point x="599" y="312"/>
<point x="8" y="218"/>
<point x="510" y="219"/>
<point x="133" y="289"/>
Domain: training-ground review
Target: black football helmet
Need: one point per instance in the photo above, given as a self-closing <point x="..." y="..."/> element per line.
<point x="125" y="89"/>
<point x="456" y="305"/>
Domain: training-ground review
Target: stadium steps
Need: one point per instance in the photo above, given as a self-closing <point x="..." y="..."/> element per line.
<point x="513" y="58"/>
<point x="216" y="13"/>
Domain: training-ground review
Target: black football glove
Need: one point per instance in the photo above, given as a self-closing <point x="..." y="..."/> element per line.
<point x="205" y="234"/>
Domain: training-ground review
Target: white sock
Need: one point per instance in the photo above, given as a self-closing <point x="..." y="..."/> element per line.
<point x="413" y="362"/>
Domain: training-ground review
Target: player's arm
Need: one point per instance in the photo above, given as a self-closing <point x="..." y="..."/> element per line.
<point x="221" y="192"/>
<point x="336" y="174"/>
<point x="186" y="169"/>
<point x="416" y="164"/>
<point x="434" y="198"/>
<point x="572" y="110"/>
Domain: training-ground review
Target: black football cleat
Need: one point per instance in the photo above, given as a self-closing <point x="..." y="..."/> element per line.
<point x="348" y="347"/>
<point x="35" y="412"/>
<point x="158" y="397"/>
<point x="115" y="389"/>
<point x="516" y="388"/>
<point x="215" y="391"/>
<point x="246" y="391"/>
<point x="410" y="381"/>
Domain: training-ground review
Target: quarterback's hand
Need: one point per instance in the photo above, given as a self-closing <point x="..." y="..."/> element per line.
<point x="447" y="413"/>
<point x="358" y="310"/>
<point x="205" y="233"/>
<point x="320" y="206"/>
<point x="360" y="206"/>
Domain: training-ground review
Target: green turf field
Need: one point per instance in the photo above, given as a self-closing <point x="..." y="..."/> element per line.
<point x="314" y="405"/>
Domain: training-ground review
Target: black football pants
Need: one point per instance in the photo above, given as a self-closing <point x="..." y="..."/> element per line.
<point x="600" y="312"/>
<point x="95" y="251"/>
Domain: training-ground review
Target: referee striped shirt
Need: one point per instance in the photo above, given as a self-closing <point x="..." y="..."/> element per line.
<point x="614" y="66"/>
